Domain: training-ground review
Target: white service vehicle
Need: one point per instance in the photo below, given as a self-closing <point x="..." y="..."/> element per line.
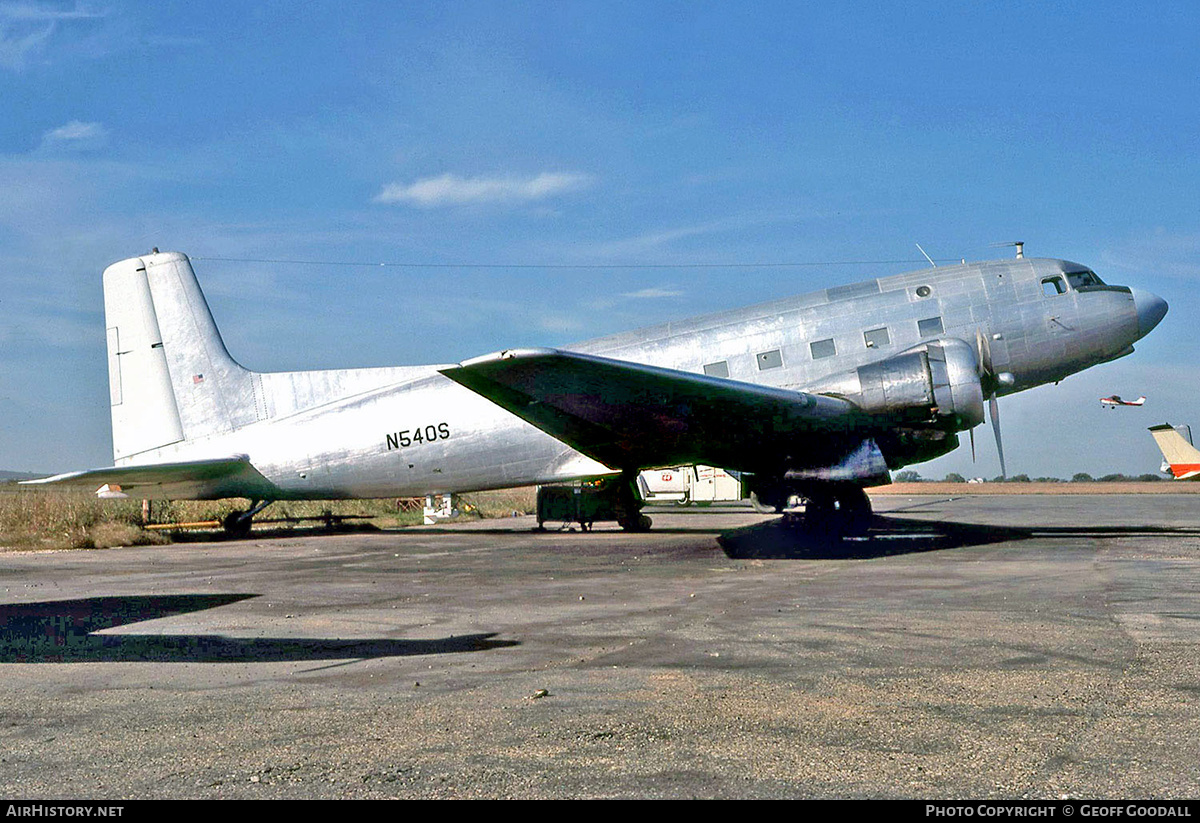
<point x="684" y="485"/>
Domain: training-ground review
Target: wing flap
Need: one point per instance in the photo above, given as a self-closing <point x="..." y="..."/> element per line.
<point x="210" y="479"/>
<point x="630" y="415"/>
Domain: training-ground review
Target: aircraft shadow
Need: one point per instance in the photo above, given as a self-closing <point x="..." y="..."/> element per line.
<point x="63" y="631"/>
<point x="788" y="538"/>
<point x="785" y="539"/>
<point x="216" y="535"/>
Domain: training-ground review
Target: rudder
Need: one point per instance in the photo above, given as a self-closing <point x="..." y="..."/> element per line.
<point x="170" y="375"/>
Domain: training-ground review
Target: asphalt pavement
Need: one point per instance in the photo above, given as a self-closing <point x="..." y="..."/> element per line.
<point x="981" y="647"/>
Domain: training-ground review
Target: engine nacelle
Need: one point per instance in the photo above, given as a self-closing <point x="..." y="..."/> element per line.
<point x="937" y="381"/>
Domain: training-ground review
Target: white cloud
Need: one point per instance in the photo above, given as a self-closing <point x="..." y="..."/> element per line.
<point x="26" y="28"/>
<point x="75" y="134"/>
<point x="1160" y="252"/>
<point x="452" y="190"/>
<point x="39" y="12"/>
<point x="652" y="293"/>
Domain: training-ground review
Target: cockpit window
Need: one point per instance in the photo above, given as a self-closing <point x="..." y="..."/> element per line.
<point x="1082" y="279"/>
<point x="1052" y="286"/>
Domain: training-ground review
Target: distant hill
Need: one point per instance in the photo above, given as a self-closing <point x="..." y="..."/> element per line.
<point x="7" y="476"/>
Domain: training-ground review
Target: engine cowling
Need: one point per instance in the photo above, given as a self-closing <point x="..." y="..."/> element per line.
<point x="937" y="381"/>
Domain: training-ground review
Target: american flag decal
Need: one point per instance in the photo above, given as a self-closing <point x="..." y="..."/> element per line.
<point x="197" y="378"/>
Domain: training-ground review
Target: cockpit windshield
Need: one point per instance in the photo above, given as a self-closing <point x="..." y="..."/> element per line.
<point x="1082" y="279"/>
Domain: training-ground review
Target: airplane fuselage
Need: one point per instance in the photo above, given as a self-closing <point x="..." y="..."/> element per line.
<point x="412" y="431"/>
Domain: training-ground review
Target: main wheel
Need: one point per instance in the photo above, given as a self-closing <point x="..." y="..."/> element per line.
<point x="820" y="511"/>
<point x="769" y="500"/>
<point x="635" y="523"/>
<point x="854" y="511"/>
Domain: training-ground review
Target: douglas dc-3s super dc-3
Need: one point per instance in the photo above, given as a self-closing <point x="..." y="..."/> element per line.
<point x="811" y="398"/>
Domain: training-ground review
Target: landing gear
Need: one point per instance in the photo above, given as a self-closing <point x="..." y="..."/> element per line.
<point x="237" y="524"/>
<point x="844" y="510"/>
<point x="766" y="503"/>
<point x="836" y="508"/>
<point x="628" y="505"/>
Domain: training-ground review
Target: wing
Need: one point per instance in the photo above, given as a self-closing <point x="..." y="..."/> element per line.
<point x="191" y="480"/>
<point x="632" y="416"/>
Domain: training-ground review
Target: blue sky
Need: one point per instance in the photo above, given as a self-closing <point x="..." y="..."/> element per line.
<point x="597" y="135"/>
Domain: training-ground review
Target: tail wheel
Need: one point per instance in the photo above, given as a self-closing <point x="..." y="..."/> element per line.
<point x="237" y="524"/>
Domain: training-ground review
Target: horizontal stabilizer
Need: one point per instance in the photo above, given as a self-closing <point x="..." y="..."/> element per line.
<point x="187" y="480"/>
<point x="631" y="416"/>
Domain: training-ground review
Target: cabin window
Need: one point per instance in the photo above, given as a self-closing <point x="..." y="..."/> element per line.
<point x="876" y="338"/>
<point x="770" y="360"/>
<point x="1052" y="286"/>
<point x="924" y="291"/>
<point x="930" y="327"/>
<point x="823" y="348"/>
<point x="718" y="369"/>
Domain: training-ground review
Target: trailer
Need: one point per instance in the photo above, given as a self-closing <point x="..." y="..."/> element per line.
<point x="582" y="503"/>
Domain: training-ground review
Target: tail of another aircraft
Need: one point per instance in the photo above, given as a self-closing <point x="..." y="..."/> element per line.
<point x="170" y="376"/>
<point x="1182" y="457"/>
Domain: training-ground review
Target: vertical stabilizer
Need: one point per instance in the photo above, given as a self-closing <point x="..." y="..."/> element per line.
<point x="1181" y="456"/>
<point x="171" y="377"/>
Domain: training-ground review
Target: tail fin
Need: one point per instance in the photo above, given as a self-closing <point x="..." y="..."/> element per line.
<point x="1181" y="456"/>
<point x="170" y="376"/>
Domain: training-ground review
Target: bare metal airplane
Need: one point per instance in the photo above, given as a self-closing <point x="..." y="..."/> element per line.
<point x="1115" y="400"/>
<point x="1180" y="457"/>
<point x="813" y="397"/>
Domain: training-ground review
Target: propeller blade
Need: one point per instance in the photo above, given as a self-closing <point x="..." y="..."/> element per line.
<point x="984" y="351"/>
<point x="994" y="413"/>
<point x="972" y="432"/>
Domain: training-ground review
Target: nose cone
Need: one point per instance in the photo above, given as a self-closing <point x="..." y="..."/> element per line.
<point x="1150" y="309"/>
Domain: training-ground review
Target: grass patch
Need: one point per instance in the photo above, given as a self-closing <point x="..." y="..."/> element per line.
<point x="32" y="518"/>
<point x="60" y="520"/>
<point x="501" y="502"/>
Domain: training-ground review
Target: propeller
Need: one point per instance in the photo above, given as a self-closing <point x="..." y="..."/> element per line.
<point x="994" y="413"/>
<point x="990" y="382"/>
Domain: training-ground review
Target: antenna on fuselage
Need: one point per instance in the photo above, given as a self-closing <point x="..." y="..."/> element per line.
<point x="927" y="257"/>
<point x="1020" y="244"/>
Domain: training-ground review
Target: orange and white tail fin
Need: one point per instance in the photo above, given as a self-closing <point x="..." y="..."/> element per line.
<point x="1182" y="457"/>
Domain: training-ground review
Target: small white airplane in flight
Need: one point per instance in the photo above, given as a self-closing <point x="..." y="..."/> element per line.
<point x="814" y="397"/>
<point x="1115" y="400"/>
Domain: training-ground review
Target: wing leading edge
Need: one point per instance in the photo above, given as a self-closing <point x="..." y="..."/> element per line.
<point x="192" y="480"/>
<point x="631" y="416"/>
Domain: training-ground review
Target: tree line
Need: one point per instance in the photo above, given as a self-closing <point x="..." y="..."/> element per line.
<point x="910" y="476"/>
